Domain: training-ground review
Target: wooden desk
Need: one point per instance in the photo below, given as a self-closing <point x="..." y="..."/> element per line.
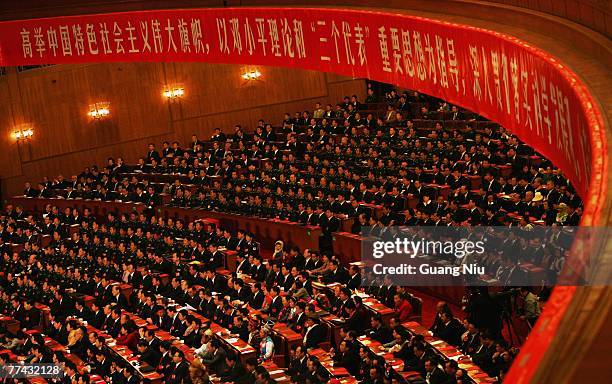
<point x="267" y="231"/>
<point x="347" y="247"/>
<point x="99" y="209"/>
<point x="11" y="325"/>
<point x="376" y="307"/>
<point x="124" y="353"/>
<point x="243" y="350"/>
<point x="449" y="352"/>
<point x="327" y="363"/>
<point x="377" y="349"/>
<point x="288" y="336"/>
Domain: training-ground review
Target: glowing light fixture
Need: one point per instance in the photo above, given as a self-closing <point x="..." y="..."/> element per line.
<point x="251" y="75"/>
<point x="99" y="110"/>
<point x="174" y="93"/>
<point x="23" y="134"/>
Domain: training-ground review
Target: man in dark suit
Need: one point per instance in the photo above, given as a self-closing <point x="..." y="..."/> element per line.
<point x="29" y="191"/>
<point x="314" y="333"/>
<point x="165" y="365"/>
<point x="148" y="354"/>
<point x="356" y="320"/>
<point x="98" y="315"/>
<point x="118" y="298"/>
<point x="258" y="297"/>
<point x="152" y="153"/>
<point x="347" y="357"/>
<point x="450" y="329"/>
<point x="235" y="370"/>
<point x="31" y="316"/>
<point x="215" y="358"/>
<point x="249" y="376"/>
<point x="129" y="376"/>
<point x="354" y="281"/>
<point x="258" y="271"/>
<point x="434" y="374"/>
<point x="336" y="273"/>
<point x="180" y="369"/>
<point x="243" y="293"/>
<point x="378" y="331"/>
<point x="276" y="306"/>
<point x="103" y="364"/>
<point x="297" y="365"/>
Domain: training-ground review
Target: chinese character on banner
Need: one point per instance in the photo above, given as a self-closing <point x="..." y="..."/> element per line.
<point x="440" y="53"/>
<point x="249" y="38"/>
<point x="475" y="64"/>
<point x="222" y="35"/>
<point x="407" y="53"/>
<point x="79" y="42"/>
<point x="505" y="80"/>
<point x="52" y="40"/>
<point x="65" y="39"/>
<point x="26" y="43"/>
<point x="526" y="105"/>
<point x="430" y="59"/>
<point x="184" y="36"/>
<point x="562" y="118"/>
<point x="335" y="33"/>
<point x="92" y="41"/>
<point x="158" y="42"/>
<point x="274" y="38"/>
<point x="38" y="41"/>
<point x="496" y="78"/>
<point x="197" y="37"/>
<point x="261" y="34"/>
<point x="106" y="48"/>
<point x="118" y="39"/>
<point x="236" y="37"/>
<point x="514" y="75"/>
<point x="144" y="33"/>
<point x="384" y="49"/>
<point x="420" y="55"/>
<point x="545" y="109"/>
<point x="485" y="75"/>
<point x="322" y="39"/>
<point x="359" y="39"/>
<point x="287" y="38"/>
<point x="346" y="34"/>
<point x="130" y="29"/>
<point x="397" y="56"/>
<point x="299" y="39"/>
<point x="169" y="29"/>
<point x="453" y="68"/>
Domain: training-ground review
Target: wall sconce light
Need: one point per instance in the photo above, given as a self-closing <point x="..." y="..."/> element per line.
<point x="23" y="134"/>
<point x="99" y="110"/>
<point x="251" y="75"/>
<point x="174" y="93"/>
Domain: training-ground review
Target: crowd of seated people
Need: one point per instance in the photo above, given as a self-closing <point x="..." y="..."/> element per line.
<point x="419" y="163"/>
<point x="335" y="162"/>
<point x="314" y="169"/>
<point x="98" y="254"/>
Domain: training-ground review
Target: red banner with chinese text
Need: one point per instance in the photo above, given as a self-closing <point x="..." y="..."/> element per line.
<point x="491" y="74"/>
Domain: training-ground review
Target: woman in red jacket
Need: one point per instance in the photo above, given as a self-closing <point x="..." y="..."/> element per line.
<point x="402" y="307"/>
<point x="128" y="335"/>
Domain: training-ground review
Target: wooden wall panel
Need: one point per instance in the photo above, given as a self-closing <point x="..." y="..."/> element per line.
<point x="60" y="96"/>
<point x="9" y="155"/>
<point x="208" y="97"/>
<point x="55" y="100"/>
